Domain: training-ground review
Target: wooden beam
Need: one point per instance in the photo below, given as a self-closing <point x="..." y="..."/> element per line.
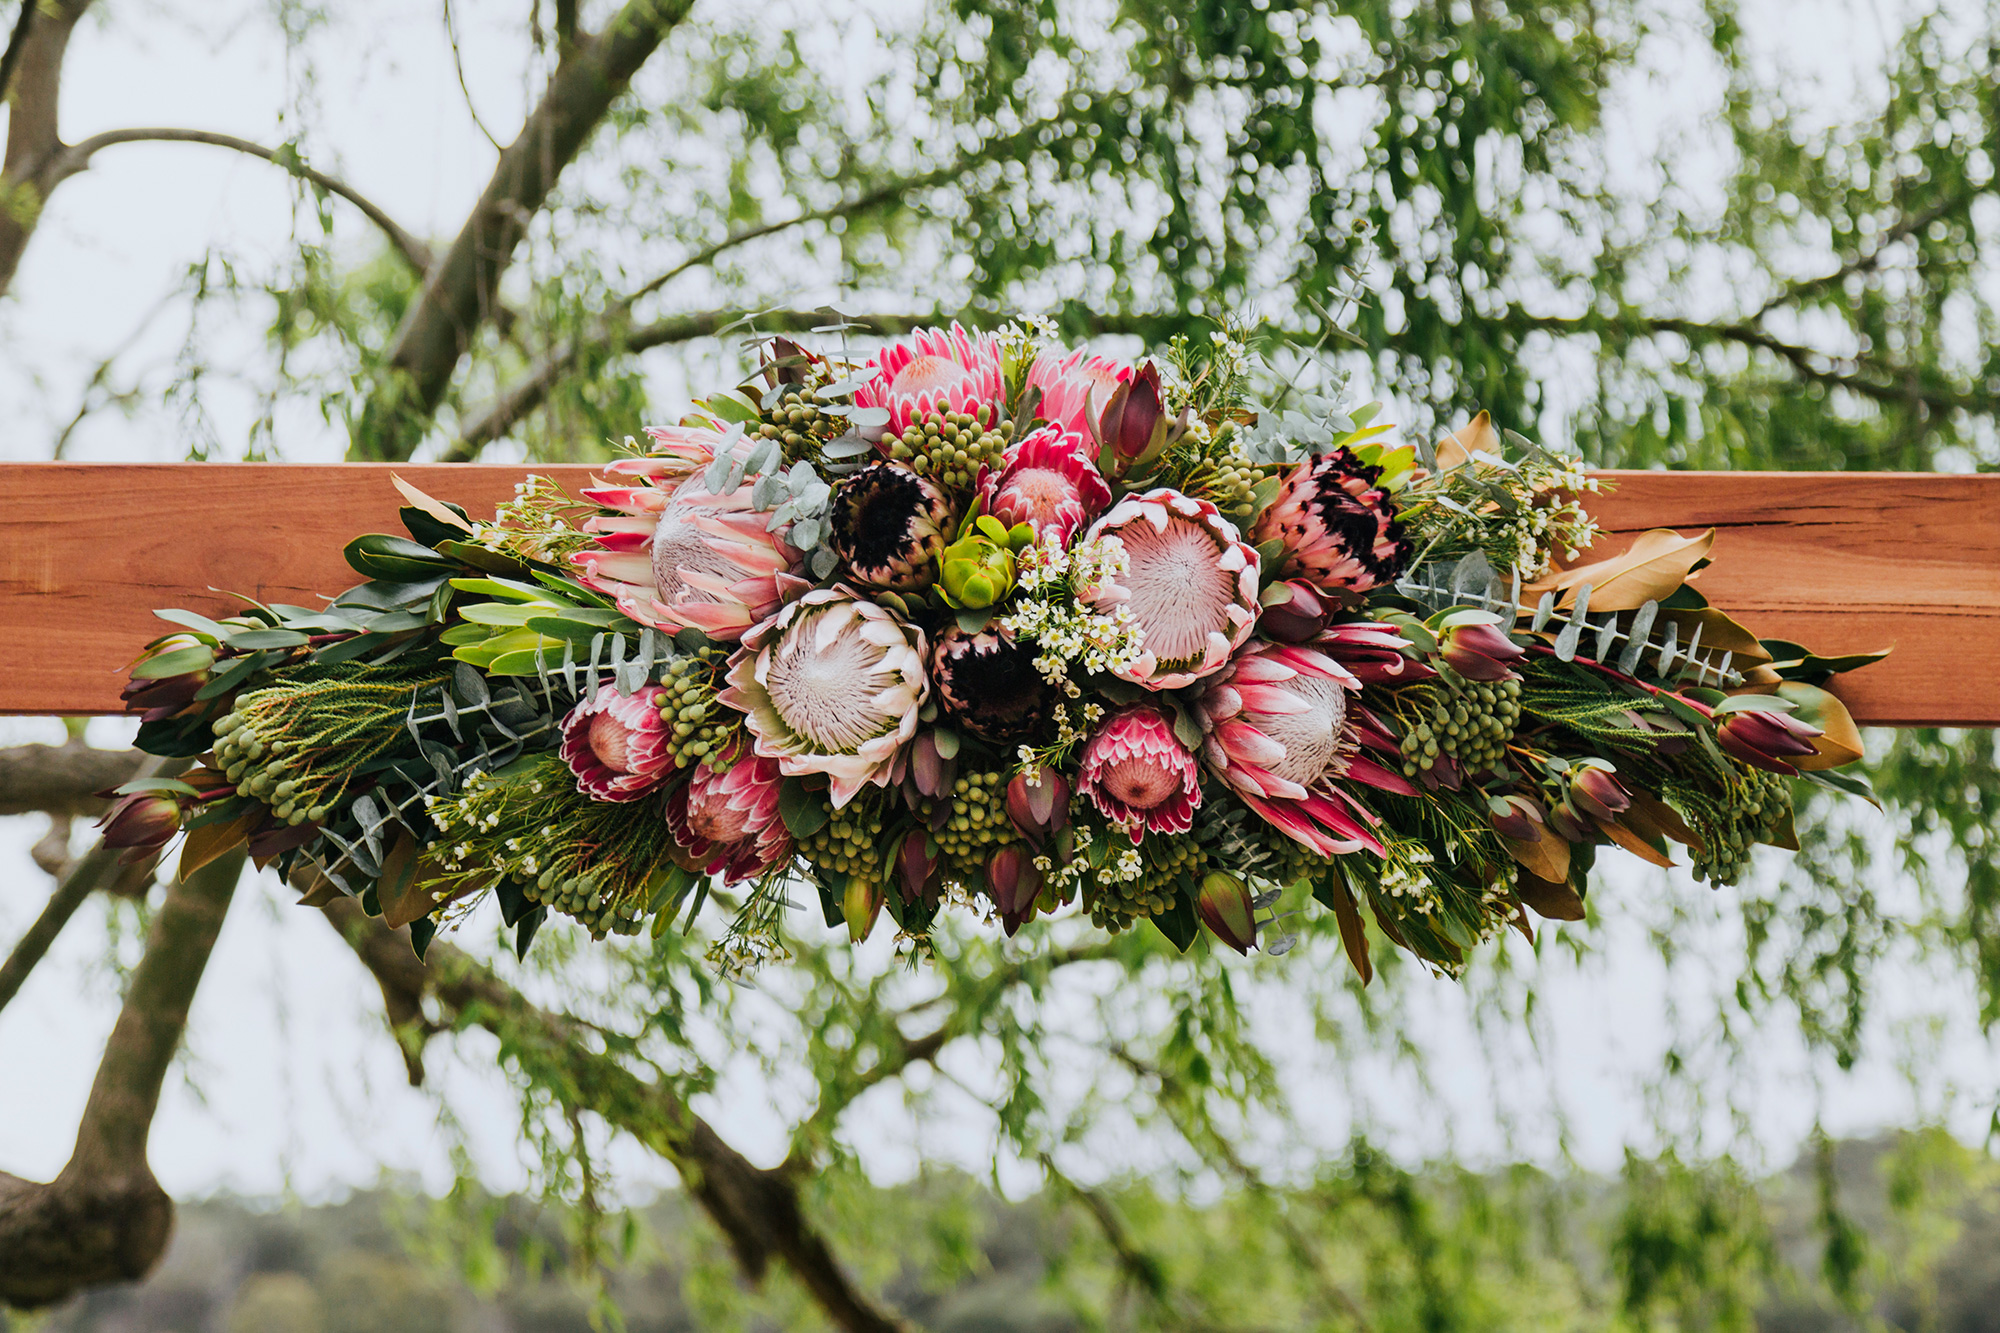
<point x="1841" y="562"/>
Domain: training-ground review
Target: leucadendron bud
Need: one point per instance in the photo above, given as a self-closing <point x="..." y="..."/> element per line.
<point x="1226" y="909"/>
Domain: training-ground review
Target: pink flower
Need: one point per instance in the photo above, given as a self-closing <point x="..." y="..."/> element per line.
<point x="673" y="556"/>
<point x="936" y="371"/>
<point x="1047" y="481"/>
<point x="1337" y="526"/>
<point x="1075" y="387"/>
<point x="1190" y="584"/>
<point x="1138" y="774"/>
<point x="1765" y="738"/>
<point x="1279" y="727"/>
<point x="1477" y="648"/>
<point x="729" y="819"/>
<point x="616" y="744"/>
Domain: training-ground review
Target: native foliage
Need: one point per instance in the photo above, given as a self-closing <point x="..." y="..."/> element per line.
<point x="1463" y="178"/>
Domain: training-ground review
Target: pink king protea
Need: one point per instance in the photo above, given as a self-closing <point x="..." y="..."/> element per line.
<point x="1138" y="774"/>
<point x="1338" y="528"/>
<point x="936" y="371"/>
<point x="1048" y="481"/>
<point x="1075" y="387"/>
<point x="728" y="820"/>
<point x="1190" y="584"/>
<point x="1279" y="729"/>
<point x="673" y="555"/>
<point x="616" y="744"/>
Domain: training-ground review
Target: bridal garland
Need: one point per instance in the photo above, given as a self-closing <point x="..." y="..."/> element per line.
<point x="985" y="623"/>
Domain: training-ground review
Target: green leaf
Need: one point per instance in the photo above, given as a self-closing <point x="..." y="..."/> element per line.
<point x="498" y="613"/>
<point x="137" y="785"/>
<point x="268" y="638"/>
<point x="398" y="559"/>
<point x="507" y="590"/>
<point x="235" y="674"/>
<point x="479" y="557"/>
<point x="1178" y="923"/>
<point x="199" y="624"/>
<point x="804" y="812"/>
<point x="195" y="657"/>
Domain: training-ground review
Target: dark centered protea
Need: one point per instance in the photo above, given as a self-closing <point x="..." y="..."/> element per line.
<point x="888" y="524"/>
<point x="988" y="683"/>
<point x="1338" y="527"/>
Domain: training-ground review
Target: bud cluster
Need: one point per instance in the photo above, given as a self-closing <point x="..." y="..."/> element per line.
<point x="702" y="728"/>
<point x="1115" y="906"/>
<point x="1467" y="721"/>
<point x="1757" y="808"/>
<point x="849" y="844"/>
<point x="796" y="421"/>
<point x="950" y="447"/>
<point x="1229" y="484"/>
<point x="977" y="820"/>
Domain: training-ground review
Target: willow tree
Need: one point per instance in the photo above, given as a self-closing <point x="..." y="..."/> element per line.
<point x="1442" y="196"/>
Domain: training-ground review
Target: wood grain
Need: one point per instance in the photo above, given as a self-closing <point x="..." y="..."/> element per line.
<point x="1842" y="562"/>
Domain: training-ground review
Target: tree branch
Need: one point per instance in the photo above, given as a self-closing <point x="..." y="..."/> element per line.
<point x="34" y="95"/>
<point x="1867" y="259"/>
<point x="461" y="291"/>
<point x="63" y="779"/>
<point x="15" y="41"/>
<point x="758" y="1211"/>
<point x="75" y="158"/>
<point x="105" y="1218"/>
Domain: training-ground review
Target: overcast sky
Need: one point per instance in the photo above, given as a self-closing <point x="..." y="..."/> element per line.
<point x="291" y="1083"/>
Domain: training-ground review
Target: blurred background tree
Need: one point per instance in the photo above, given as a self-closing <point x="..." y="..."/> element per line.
<point x="1626" y="226"/>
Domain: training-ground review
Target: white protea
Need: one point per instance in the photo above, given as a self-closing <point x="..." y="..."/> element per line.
<point x="832" y="684"/>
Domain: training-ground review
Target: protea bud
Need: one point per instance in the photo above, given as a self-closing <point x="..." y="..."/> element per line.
<point x="1227" y="911"/>
<point x="1764" y="738"/>
<point x="920" y="871"/>
<point x="1134" y="426"/>
<point x="1013" y="883"/>
<point x="977" y="570"/>
<point x="617" y="745"/>
<point x="888" y="523"/>
<point x="1594" y="791"/>
<point x="1038" y="802"/>
<point x="141" y="824"/>
<point x="1518" y="817"/>
<point x="930" y="771"/>
<point x="1476" y="648"/>
<point x="1294" y="612"/>
<point x="860" y="905"/>
<point x="1373" y="653"/>
<point x="1137" y="773"/>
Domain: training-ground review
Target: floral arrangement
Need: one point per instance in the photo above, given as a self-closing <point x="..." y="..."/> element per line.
<point x="982" y="622"/>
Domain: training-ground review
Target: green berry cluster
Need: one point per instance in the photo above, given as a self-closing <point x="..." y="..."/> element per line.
<point x="1469" y="721"/>
<point x="1228" y="484"/>
<point x="1168" y="859"/>
<point x="581" y="897"/>
<point x="849" y="844"/>
<point x="1756" y="809"/>
<point x="949" y="447"/>
<point x="702" y="728"/>
<point x="797" y="422"/>
<point x="978" y="820"/>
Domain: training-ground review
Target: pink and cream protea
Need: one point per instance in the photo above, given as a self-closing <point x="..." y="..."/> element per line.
<point x="1138" y="774"/>
<point x="616" y="744"/>
<point x="1190" y="584"/>
<point x="1279" y="727"/>
<point x="673" y="556"/>
<point x="727" y="819"/>
<point x="1048" y="481"/>
<point x="935" y="370"/>
<point x="1337" y="526"/>
<point x="832" y="684"/>
<point x="1075" y="387"/>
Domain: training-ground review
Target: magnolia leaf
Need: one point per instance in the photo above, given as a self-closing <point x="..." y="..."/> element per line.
<point x="1634" y="844"/>
<point x="1475" y="437"/>
<point x="1657" y="563"/>
<point x="1331" y="890"/>
<point x="1546" y="857"/>
<point x="1719" y="634"/>
<point x="1840" y="741"/>
<point x="443" y="513"/>
<point x="804" y="812"/>
<point x="399" y="889"/>
<point x="1651" y="817"/>
<point x="208" y="841"/>
<point x="1556" y="902"/>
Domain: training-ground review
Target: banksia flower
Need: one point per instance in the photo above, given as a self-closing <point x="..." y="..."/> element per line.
<point x="1138" y="774"/>
<point x="617" y="745"/>
<point x="888" y="524"/>
<point x="935" y="370"/>
<point x="1338" y="528"/>
<point x="831" y="684"/>
<point x="1190" y="585"/>
<point x="988" y="684"/>
<point x="675" y="557"/>
<point x="726" y="819"/>
<point x="1277" y="728"/>
<point x="1049" y="482"/>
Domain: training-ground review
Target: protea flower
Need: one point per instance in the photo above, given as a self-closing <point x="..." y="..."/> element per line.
<point x="888" y="523"/>
<point x="989" y="685"/>
<point x="936" y="371"/>
<point x="727" y="820"/>
<point x="1075" y="388"/>
<point x="1047" y="481"/>
<point x="1278" y="727"/>
<point x="1338" y="528"/>
<point x="831" y="684"/>
<point x="1190" y="584"/>
<point x="674" y="556"/>
<point x="616" y="743"/>
<point x="1138" y="774"/>
<point x="140" y="823"/>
